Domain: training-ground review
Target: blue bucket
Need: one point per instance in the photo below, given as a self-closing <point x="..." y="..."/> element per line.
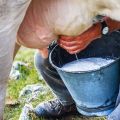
<point x="94" y="92"/>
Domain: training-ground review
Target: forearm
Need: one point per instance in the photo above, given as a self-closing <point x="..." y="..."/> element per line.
<point x="76" y="44"/>
<point x="112" y="24"/>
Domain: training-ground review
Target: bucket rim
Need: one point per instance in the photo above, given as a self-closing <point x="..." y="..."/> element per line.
<point x="82" y="72"/>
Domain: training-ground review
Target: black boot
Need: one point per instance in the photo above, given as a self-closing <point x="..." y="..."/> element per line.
<point x="54" y="109"/>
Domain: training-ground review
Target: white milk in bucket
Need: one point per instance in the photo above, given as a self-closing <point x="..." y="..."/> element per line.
<point x="87" y="64"/>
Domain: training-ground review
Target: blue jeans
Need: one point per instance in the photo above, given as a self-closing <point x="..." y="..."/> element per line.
<point x="53" y="79"/>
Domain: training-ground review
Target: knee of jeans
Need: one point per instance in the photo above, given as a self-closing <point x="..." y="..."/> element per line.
<point x="38" y="61"/>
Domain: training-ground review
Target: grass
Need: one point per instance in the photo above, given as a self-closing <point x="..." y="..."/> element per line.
<point x="15" y="86"/>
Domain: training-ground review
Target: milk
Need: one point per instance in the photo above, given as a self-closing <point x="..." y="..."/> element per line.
<point x="86" y="64"/>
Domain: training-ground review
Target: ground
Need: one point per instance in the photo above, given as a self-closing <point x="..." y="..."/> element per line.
<point x="12" y="112"/>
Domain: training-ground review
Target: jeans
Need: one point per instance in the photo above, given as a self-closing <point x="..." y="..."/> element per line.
<point x="53" y="79"/>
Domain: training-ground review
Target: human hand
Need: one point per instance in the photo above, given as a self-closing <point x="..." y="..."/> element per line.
<point x="76" y="44"/>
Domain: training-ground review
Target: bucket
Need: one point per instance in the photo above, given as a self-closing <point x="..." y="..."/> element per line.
<point x="95" y="91"/>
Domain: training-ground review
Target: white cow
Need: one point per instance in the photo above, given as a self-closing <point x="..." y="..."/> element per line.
<point x="11" y="15"/>
<point x="45" y="20"/>
<point x="55" y="17"/>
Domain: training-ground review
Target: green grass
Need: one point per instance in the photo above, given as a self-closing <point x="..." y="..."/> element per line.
<point x="15" y="86"/>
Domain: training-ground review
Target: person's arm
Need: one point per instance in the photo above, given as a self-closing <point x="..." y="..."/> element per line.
<point x="76" y="44"/>
<point x="112" y="24"/>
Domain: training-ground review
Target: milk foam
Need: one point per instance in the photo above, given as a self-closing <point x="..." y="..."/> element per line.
<point x="86" y="64"/>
